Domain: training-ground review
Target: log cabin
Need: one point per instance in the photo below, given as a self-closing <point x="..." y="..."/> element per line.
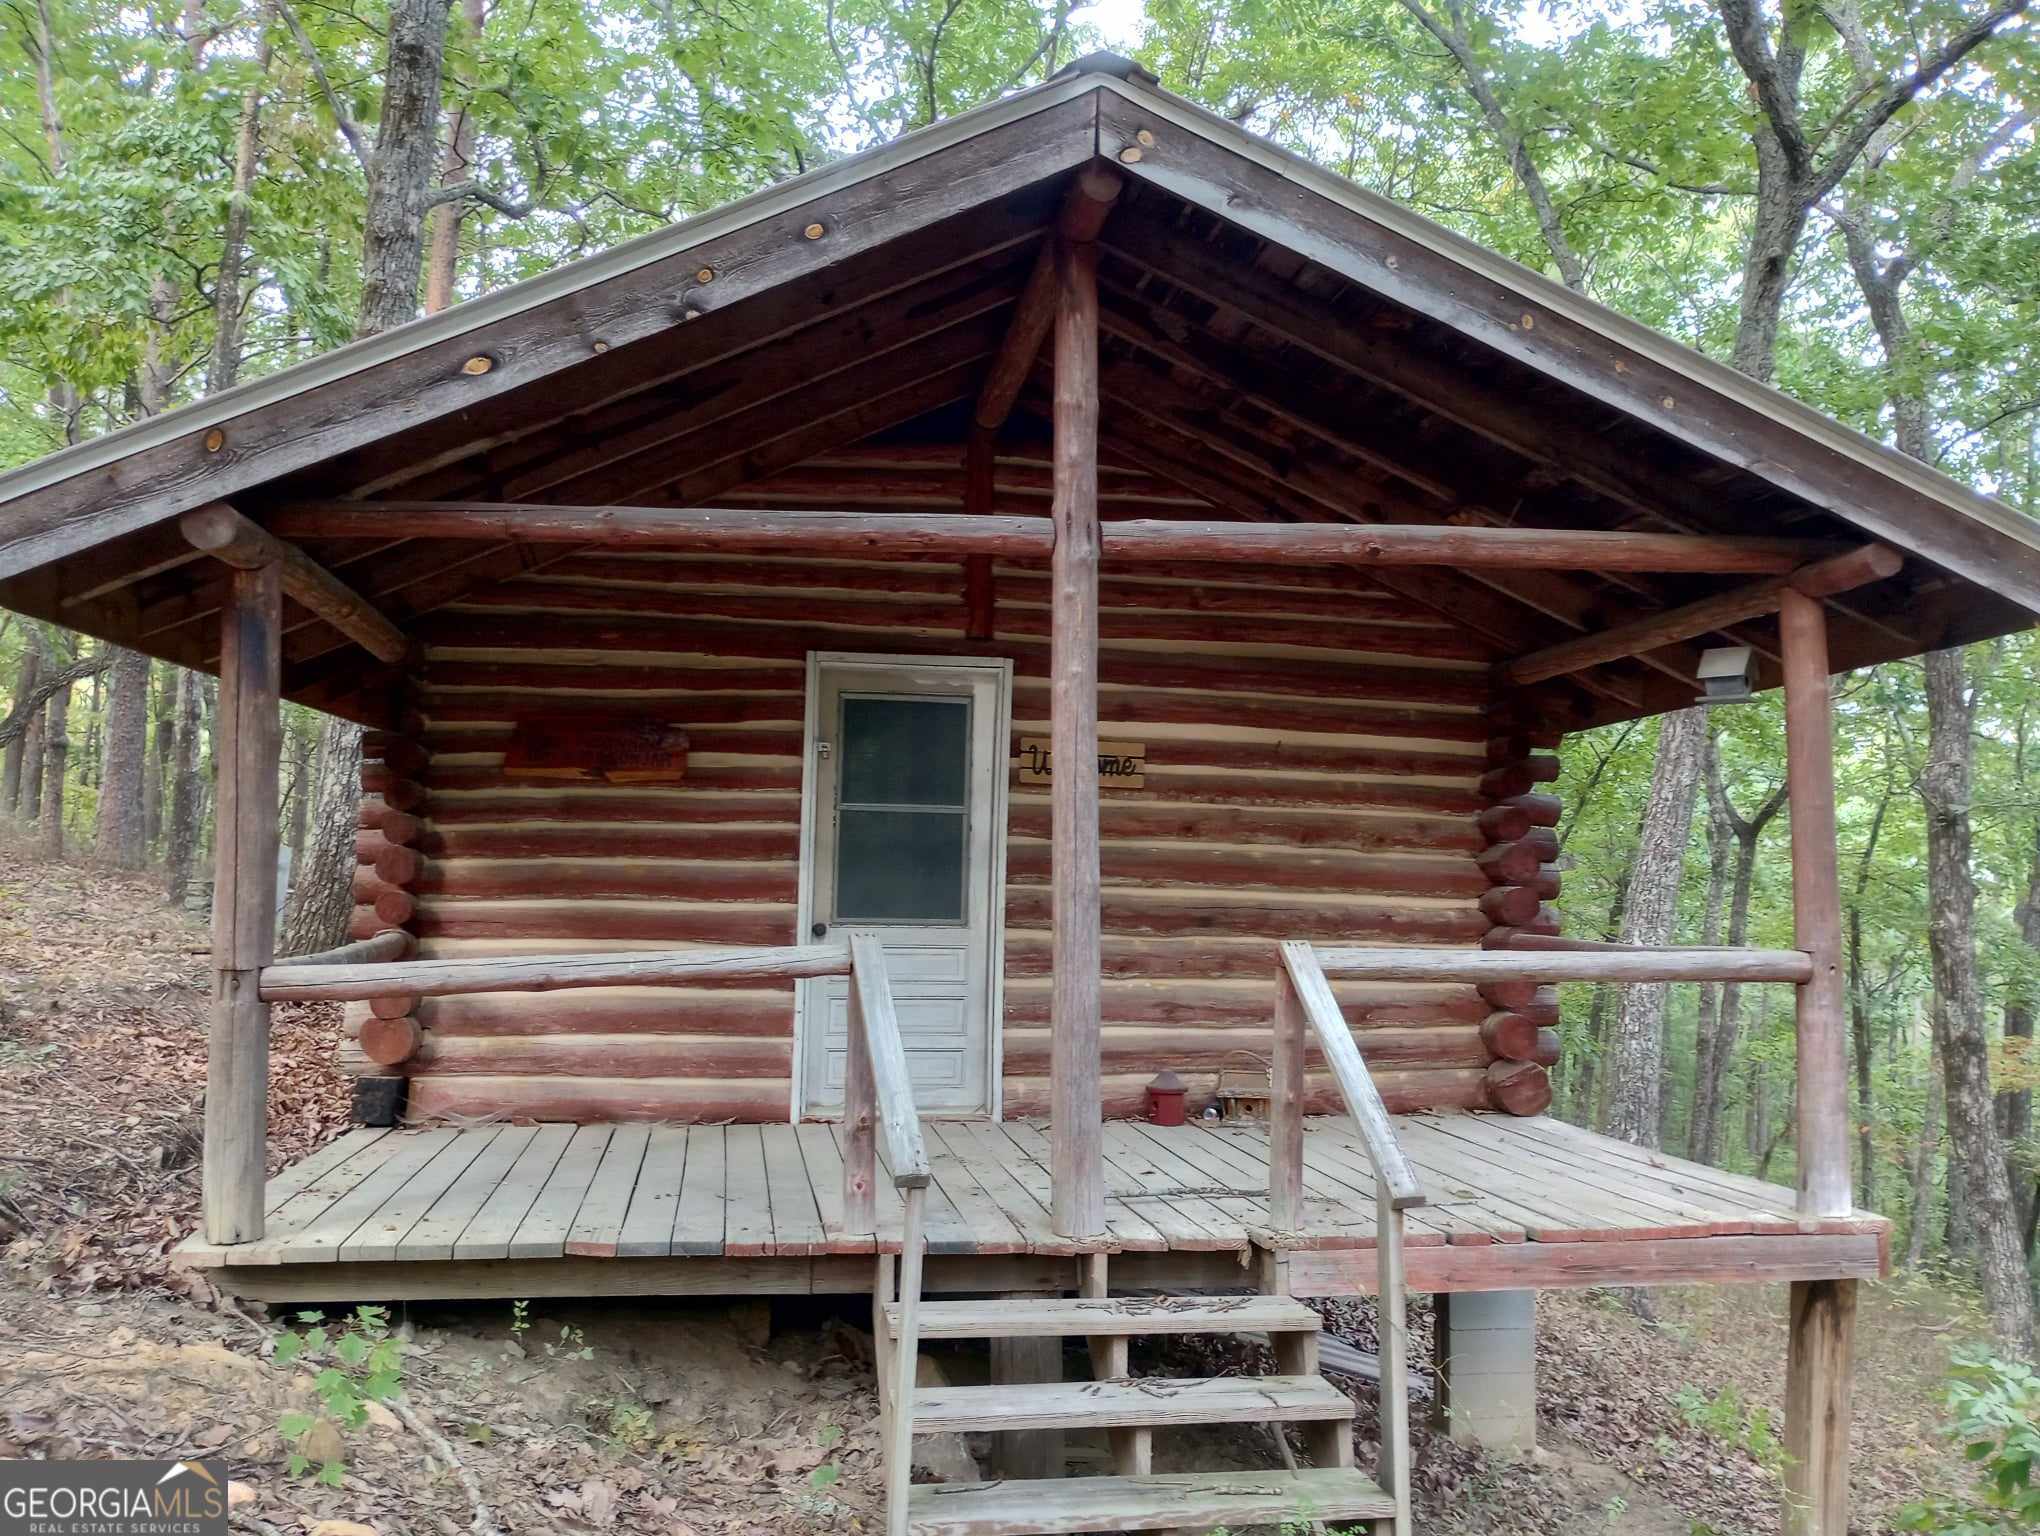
<point x="861" y="681"/>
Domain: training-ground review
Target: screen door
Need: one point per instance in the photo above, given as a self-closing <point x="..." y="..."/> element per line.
<point x="905" y="829"/>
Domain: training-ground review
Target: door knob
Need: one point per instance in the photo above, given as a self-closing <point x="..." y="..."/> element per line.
<point x="821" y="930"/>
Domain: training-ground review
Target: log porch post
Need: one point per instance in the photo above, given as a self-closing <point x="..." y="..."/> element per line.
<point x="1820" y="1349"/>
<point x="1075" y="1132"/>
<point x="244" y="905"/>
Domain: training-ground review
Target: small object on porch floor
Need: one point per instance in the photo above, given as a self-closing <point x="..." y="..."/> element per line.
<point x="1243" y="1095"/>
<point x="379" y="1101"/>
<point x="1165" y="1098"/>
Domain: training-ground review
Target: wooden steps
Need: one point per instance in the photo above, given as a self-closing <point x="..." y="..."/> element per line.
<point x="1131" y="1402"/>
<point x="1117" y="1316"/>
<point x="1159" y="1502"/>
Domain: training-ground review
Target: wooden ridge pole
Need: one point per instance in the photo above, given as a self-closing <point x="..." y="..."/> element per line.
<point x="1820" y="1348"/>
<point x="1075" y="1129"/>
<point x="244" y="905"/>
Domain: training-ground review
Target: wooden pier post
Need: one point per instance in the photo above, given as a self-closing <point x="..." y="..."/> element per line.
<point x="1075" y="1131"/>
<point x="1820" y="1347"/>
<point x="244" y="905"/>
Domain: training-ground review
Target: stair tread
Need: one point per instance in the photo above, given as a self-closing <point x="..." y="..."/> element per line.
<point x="1161" y="1501"/>
<point x="1073" y="1316"/>
<point x="1129" y="1401"/>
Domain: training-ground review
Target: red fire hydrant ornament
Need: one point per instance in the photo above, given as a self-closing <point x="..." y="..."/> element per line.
<point x="1165" y="1099"/>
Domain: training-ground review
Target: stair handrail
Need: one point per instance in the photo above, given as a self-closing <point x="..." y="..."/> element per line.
<point x="1305" y="1004"/>
<point x="878" y="1102"/>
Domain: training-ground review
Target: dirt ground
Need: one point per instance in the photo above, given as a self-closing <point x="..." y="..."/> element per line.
<point x="671" y="1418"/>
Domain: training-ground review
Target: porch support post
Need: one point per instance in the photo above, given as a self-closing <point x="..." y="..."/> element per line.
<point x="1820" y="1347"/>
<point x="244" y="905"/>
<point x="1075" y="1132"/>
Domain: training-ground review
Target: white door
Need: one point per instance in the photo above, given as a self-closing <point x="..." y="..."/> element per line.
<point x="904" y="836"/>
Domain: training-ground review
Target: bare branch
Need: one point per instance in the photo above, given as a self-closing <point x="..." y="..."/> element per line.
<point x="349" y="129"/>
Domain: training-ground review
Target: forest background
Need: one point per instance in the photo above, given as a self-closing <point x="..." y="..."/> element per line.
<point x="1842" y="199"/>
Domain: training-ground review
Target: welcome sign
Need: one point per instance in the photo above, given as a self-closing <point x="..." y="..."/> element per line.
<point x="1121" y="764"/>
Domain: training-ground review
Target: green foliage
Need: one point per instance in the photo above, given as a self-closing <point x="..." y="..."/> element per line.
<point x="1746" y="1427"/>
<point x="357" y="1363"/>
<point x="1994" y="1409"/>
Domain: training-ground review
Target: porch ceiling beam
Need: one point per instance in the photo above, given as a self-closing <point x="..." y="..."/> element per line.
<point x="1824" y="578"/>
<point x="229" y="537"/>
<point x="1085" y="208"/>
<point x="1134" y="541"/>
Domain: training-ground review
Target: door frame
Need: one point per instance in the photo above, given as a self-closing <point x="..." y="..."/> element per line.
<point x="999" y="671"/>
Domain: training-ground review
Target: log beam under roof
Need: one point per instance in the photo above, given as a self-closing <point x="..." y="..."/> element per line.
<point x="1824" y="578"/>
<point x="229" y="537"/>
<point x="1134" y="540"/>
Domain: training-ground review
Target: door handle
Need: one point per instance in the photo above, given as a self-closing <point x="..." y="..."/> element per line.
<point x="821" y="930"/>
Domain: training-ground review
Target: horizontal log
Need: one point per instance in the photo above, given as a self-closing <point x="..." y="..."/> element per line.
<point x="1514" y="779"/>
<point x="1200" y="1004"/>
<point x="546" y="973"/>
<point x="1825" y="578"/>
<point x="455" y="706"/>
<point x="606" y="1055"/>
<point x="1549" y="1047"/>
<point x="380" y="949"/>
<point x="521" y="840"/>
<point x="399" y="794"/>
<point x="1354" y="830"/>
<point x="1536" y="1001"/>
<point x="226" y="535"/>
<point x="389" y="1041"/>
<point x="929" y="533"/>
<point x="362" y="923"/>
<point x="400" y="754"/>
<point x="593" y="1100"/>
<point x="1132" y="914"/>
<point x="648" y="922"/>
<point x="568" y="683"/>
<point x="1624" y="965"/>
<point x="760" y="1008"/>
<point x="1136" y="1049"/>
<point x="569" y="879"/>
<point x="367" y="844"/>
<point x="395" y="826"/>
<point x="398" y="866"/>
<point x="452" y="628"/>
<point x="1514" y="863"/>
<point x="1244" y="868"/>
<point x="1510" y="904"/>
<point x="1519" y="1087"/>
<point x="579" y="805"/>
<point x="1510" y="1036"/>
<point x="1124" y="1096"/>
<point x="395" y="908"/>
<point x="397" y="1007"/>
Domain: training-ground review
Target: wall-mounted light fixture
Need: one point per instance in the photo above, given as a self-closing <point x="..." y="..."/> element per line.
<point x="1727" y="673"/>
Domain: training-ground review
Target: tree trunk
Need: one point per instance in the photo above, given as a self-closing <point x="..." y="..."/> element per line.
<point x="163" y="711"/>
<point x="322" y="891"/>
<point x="1920" y="1176"/>
<point x="1707" y="1069"/>
<point x="1589" y="1110"/>
<point x="119" y="839"/>
<point x="2015" y="1106"/>
<point x="227" y="296"/>
<point x="442" y="270"/>
<point x="1958" y="1009"/>
<point x="1637" y="1052"/>
<point x="13" y="799"/>
<point x="184" y="789"/>
<point x="401" y="169"/>
<point x="56" y="750"/>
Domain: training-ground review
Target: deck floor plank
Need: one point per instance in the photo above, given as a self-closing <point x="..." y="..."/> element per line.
<point x="796" y="1214"/>
<point x="543" y="1232"/>
<point x="769" y="1192"/>
<point x="701" y="1217"/>
<point x="648" y="1221"/>
<point x="380" y="1236"/>
<point x="747" y="1196"/>
<point x="319" y="1241"/>
<point x="440" y="1228"/>
<point x="598" y="1223"/>
<point x="488" y="1235"/>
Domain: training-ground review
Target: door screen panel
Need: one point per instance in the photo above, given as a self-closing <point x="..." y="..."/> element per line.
<point x="903" y="810"/>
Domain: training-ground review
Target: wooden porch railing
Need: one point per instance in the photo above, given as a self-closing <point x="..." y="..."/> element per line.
<point x="1304" y="1004"/>
<point x="878" y="1104"/>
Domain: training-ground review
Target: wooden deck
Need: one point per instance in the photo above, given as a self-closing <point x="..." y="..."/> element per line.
<point x="1512" y="1202"/>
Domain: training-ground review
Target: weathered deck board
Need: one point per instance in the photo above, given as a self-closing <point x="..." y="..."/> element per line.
<point x="773" y="1193"/>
